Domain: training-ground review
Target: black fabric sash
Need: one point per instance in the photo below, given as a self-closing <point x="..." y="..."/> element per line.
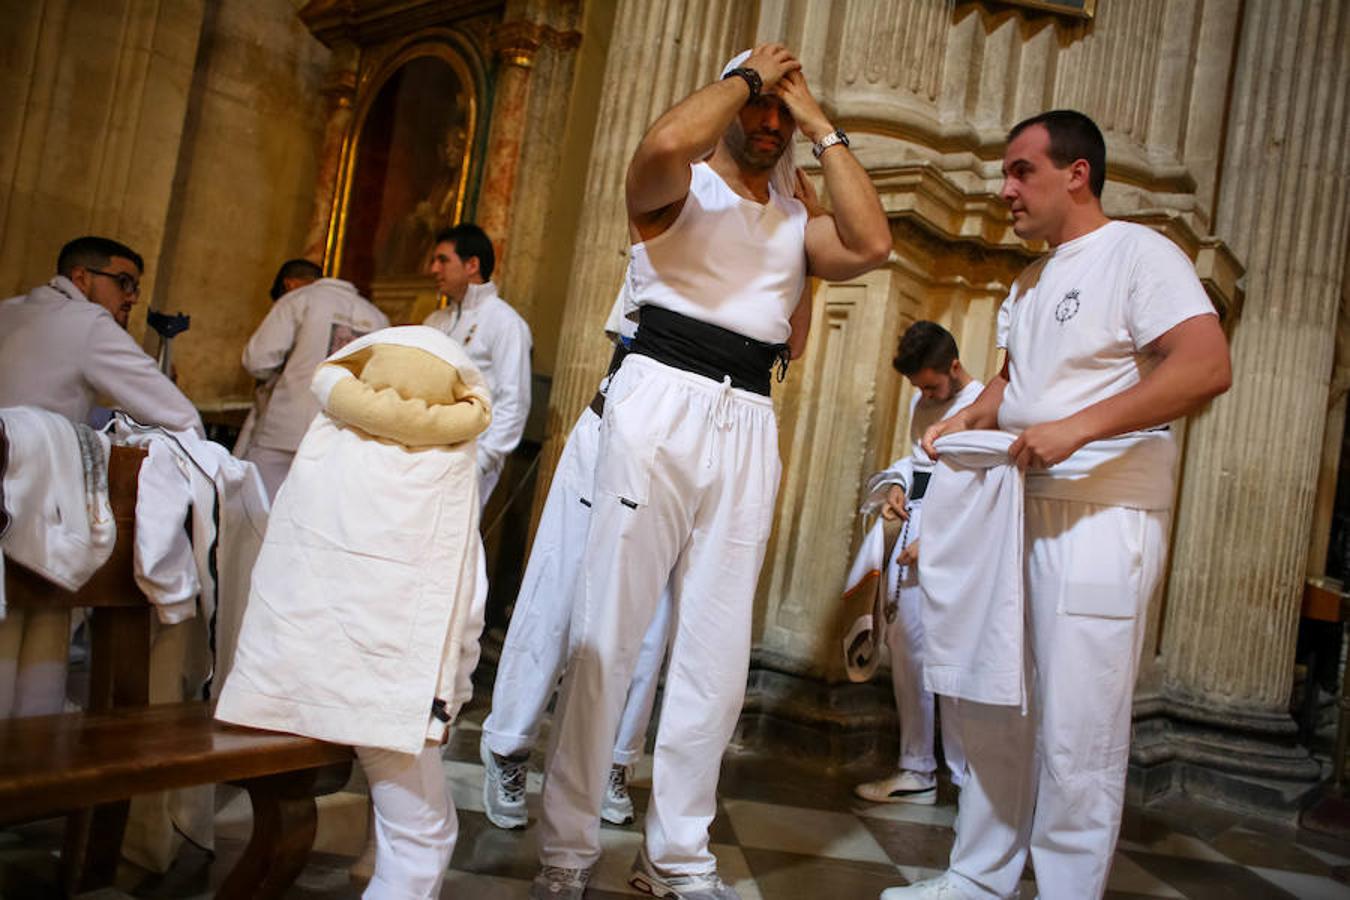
<point x="708" y="350"/>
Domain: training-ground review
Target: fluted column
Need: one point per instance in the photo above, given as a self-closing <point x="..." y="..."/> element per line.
<point x="340" y="91"/>
<point x="519" y="215"/>
<point x="1252" y="458"/>
<point x="660" y="51"/>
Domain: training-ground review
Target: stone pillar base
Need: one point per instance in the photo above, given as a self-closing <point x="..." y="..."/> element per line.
<point x="800" y="716"/>
<point x="1236" y="759"/>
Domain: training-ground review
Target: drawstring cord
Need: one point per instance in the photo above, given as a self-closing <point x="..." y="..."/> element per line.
<point x="720" y="414"/>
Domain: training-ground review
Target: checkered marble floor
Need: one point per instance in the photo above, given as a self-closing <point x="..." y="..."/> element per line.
<point x="784" y="831"/>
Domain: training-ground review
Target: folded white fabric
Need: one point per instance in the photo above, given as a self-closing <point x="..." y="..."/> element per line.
<point x="970" y="571"/>
<point x="56" y="495"/>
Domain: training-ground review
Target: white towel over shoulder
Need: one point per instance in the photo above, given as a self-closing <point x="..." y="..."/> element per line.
<point x="970" y="571"/>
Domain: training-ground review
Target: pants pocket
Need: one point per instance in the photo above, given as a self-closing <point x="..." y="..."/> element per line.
<point x="1104" y="576"/>
<point x="627" y="444"/>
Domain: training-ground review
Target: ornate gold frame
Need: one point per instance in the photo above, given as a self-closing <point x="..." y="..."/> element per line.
<point x="439" y="44"/>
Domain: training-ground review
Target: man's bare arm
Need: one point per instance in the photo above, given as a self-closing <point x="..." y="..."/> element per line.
<point x="659" y="172"/>
<point x="855" y="238"/>
<point x="983" y="413"/>
<point x="1194" y="367"/>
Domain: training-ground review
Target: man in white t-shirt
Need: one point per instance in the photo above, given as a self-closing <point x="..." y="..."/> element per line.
<point x="1109" y="335"/>
<point x="928" y="358"/>
<point x="688" y="467"/>
<point x="312" y="317"/>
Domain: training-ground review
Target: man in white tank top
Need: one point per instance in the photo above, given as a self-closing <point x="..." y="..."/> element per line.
<point x="688" y="459"/>
<point x="1109" y="335"/>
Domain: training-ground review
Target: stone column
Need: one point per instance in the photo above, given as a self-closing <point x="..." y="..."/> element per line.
<point x="517" y="213"/>
<point x="340" y="92"/>
<point x="1252" y="458"/>
<point x="660" y="51"/>
<point x="516" y="44"/>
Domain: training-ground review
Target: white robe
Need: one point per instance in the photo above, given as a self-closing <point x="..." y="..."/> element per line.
<point x="363" y="607"/>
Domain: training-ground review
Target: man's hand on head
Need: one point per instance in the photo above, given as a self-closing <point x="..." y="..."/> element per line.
<point x="894" y="507"/>
<point x="810" y="118"/>
<point x="772" y="62"/>
<point x="1046" y="444"/>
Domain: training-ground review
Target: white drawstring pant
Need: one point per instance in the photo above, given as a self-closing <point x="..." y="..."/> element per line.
<point x="538" y="641"/>
<point x="415" y="822"/>
<point x="685" y="490"/>
<point x="1052" y="782"/>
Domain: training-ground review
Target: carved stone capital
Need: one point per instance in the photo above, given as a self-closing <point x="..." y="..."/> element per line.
<point x="516" y="43"/>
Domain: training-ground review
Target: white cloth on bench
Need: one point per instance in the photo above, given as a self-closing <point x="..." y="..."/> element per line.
<point x="60" y="525"/>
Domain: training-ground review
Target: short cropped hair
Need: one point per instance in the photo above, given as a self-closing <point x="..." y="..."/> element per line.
<point x="925" y="345"/>
<point x="1073" y="136"/>
<point x="470" y="240"/>
<point x="294" y="268"/>
<point x="94" y="253"/>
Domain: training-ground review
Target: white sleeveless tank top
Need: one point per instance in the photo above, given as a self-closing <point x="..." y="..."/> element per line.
<point x="726" y="260"/>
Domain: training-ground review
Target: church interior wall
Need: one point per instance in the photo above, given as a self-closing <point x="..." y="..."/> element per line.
<point x="244" y="186"/>
<point x="195" y="132"/>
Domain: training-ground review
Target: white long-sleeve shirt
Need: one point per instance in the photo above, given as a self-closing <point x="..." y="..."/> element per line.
<point x="301" y="330"/>
<point x="61" y="352"/>
<point x="498" y="341"/>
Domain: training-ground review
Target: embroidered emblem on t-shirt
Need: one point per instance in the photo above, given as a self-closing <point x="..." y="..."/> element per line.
<point x="1067" y="308"/>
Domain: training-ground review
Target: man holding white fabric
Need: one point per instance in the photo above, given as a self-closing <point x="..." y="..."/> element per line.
<point x="928" y="358"/>
<point x="688" y="462"/>
<point x="1109" y="337"/>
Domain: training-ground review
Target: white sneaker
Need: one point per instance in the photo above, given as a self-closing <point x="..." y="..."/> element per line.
<point x="557" y="883"/>
<point x="503" y="789"/>
<point x="703" y="886"/>
<point x="903" y="787"/>
<point x="617" y="808"/>
<point x="940" y="888"/>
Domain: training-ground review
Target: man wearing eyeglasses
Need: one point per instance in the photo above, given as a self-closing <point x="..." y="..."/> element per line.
<point x="64" y="345"/>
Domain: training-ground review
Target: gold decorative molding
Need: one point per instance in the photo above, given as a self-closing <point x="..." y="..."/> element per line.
<point x="516" y="43"/>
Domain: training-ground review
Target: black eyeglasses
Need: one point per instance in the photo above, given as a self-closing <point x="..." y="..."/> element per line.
<point x="129" y="285"/>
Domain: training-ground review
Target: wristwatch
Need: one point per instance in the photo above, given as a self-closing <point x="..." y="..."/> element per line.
<point x="834" y="137"/>
<point x="751" y="78"/>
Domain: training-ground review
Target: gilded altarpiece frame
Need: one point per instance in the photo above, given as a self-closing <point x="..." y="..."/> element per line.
<point x="410" y="162"/>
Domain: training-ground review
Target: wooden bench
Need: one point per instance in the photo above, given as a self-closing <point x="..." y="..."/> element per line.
<point x="54" y="765"/>
<point x="88" y="765"/>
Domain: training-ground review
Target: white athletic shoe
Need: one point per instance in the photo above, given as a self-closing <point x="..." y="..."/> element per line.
<point x="618" y="806"/>
<point x="503" y="789"/>
<point x="940" y="888"/>
<point x="557" y="883"/>
<point x="703" y="886"/>
<point x="903" y="787"/>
